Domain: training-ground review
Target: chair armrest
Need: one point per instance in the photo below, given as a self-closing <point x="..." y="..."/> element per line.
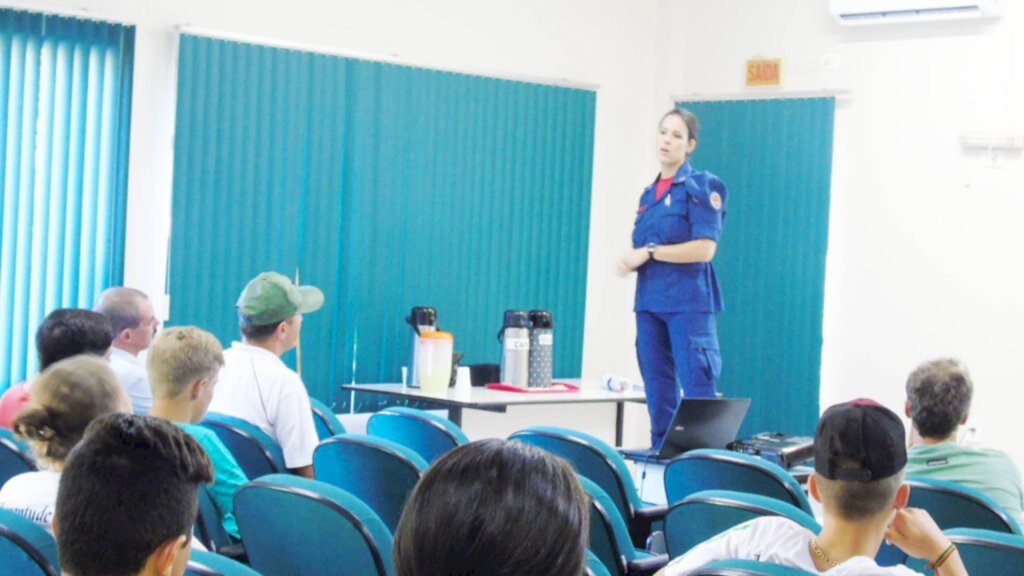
<point x="649" y="565"/>
<point x="652" y="513"/>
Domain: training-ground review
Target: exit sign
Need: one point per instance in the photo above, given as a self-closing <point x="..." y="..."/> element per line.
<point x="763" y="72"/>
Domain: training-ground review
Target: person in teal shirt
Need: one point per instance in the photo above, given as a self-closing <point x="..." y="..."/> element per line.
<point x="938" y="401"/>
<point x="183" y="365"/>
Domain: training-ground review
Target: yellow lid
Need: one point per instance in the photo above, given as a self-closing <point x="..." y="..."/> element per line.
<point x="437" y="335"/>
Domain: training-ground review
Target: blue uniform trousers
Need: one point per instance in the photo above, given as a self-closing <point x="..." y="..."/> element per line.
<point x="676" y="350"/>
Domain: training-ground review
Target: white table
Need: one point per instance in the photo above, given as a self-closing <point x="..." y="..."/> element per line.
<point x="481" y="398"/>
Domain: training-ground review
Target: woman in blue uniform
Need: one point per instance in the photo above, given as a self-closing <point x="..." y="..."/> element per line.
<point x="675" y="236"/>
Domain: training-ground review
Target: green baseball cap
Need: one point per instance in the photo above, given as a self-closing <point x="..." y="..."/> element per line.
<point x="271" y="298"/>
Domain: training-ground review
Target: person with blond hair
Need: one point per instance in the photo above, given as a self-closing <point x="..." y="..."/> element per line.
<point x="183" y="364"/>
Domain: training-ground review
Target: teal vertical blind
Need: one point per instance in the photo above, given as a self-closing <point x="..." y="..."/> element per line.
<point x="776" y="158"/>
<point x="386" y="186"/>
<point x="65" y="103"/>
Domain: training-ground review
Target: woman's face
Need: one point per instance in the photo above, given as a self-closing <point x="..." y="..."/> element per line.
<point x="673" y="141"/>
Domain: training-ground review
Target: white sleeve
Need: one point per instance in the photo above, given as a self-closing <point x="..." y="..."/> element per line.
<point x="721" y="547"/>
<point x="295" y="430"/>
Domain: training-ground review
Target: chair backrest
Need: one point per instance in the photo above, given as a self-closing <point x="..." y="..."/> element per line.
<point x="294" y="525"/>
<point x="15" y="457"/>
<point x="709" y="469"/>
<point x="429" y="435"/>
<point x="594" y="565"/>
<point x="952" y="505"/>
<point x="256" y="452"/>
<point x="209" y="529"/>
<point x="592" y="458"/>
<point x="609" y="535"/>
<point x="708" y="513"/>
<point x="747" y="568"/>
<point x="379" y="472"/>
<point x="211" y="564"/>
<point x="984" y="552"/>
<point x="327" y="423"/>
<point x="26" y="548"/>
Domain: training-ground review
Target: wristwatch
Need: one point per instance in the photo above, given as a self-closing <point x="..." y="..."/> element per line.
<point x="650" y="250"/>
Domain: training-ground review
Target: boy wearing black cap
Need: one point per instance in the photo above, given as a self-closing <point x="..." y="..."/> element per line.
<point x="859" y="456"/>
<point x="255" y="384"/>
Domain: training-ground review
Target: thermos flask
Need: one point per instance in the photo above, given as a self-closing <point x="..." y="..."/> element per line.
<point x="423" y="319"/>
<point x="515" y="340"/>
<point x="541" y="348"/>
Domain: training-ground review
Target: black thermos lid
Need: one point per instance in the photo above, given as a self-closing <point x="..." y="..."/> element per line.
<point x="541" y="319"/>
<point x="516" y="319"/>
<point x="423" y="316"/>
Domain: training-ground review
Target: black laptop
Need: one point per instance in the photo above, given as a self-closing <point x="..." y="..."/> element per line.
<point x="697" y="423"/>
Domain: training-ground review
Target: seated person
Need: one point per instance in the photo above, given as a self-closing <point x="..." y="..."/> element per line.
<point x="183" y="365"/>
<point x="64" y="399"/>
<point x="859" y="456"/>
<point x="938" y="402"/>
<point x="494" y="507"/>
<point x="255" y="384"/>
<point x="127" y="499"/>
<point x="135" y="323"/>
<point x="64" y="333"/>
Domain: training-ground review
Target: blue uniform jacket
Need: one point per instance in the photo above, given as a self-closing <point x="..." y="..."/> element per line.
<point x="689" y="215"/>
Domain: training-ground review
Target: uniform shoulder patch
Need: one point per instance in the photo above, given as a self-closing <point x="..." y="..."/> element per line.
<point x="716" y="200"/>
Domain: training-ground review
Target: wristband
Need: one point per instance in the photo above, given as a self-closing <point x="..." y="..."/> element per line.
<point x="934" y="565"/>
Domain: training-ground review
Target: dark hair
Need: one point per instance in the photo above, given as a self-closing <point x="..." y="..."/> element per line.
<point x="494" y="507"/>
<point x="856" y="501"/>
<point x="65" y="398"/>
<point x="939" y="396"/>
<point x="121" y="306"/>
<point x="67" y="332"/>
<point x="129" y="487"/>
<point x="689" y="118"/>
<point x="256" y="332"/>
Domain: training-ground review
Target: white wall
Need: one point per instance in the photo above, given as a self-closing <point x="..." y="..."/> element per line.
<point x="925" y="244"/>
<point x="605" y="42"/>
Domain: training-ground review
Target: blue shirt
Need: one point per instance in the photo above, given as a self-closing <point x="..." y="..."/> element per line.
<point x="227" y="474"/>
<point x="694" y="208"/>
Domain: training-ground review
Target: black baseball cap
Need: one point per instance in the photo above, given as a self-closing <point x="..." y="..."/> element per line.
<point x="859" y="441"/>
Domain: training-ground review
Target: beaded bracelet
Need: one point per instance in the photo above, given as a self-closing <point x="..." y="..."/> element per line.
<point x="942" y="558"/>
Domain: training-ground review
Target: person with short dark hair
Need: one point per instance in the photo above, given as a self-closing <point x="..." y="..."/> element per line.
<point x="63" y="333"/>
<point x="183" y="364"/>
<point x="64" y="399"/>
<point x="494" y="507"/>
<point x="135" y="323"/>
<point x="127" y="499"/>
<point x="859" y="458"/>
<point x="255" y="384"/>
<point x="939" y="396"/>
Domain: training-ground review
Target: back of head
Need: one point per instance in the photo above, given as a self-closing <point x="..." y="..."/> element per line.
<point x="63" y="400"/>
<point x="859" y="456"/>
<point x="939" y="397"/>
<point x="121" y="306"/>
<point x="179" y="356"/>
<point x="494" y="507"/>
<point x="128" y="488"/>
<point x="69" y="331"/>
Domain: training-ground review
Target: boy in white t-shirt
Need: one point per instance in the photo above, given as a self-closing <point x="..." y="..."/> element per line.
<point x="859" y="457"/>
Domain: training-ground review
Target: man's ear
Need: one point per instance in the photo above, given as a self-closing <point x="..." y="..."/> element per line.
<point x="906" y="409"/>
<point x="162" y="559"/>
<point x="812" y="487"/>
<point x="53" y="525"/>
<point x="902" y="496"/>
<point x="964" y="419"/>
<point x="125" y="334"/>
<point x="197" y="388"/>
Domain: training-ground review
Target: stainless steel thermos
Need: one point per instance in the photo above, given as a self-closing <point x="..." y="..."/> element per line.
<point x="541" y="348"/>
<point x="515" y="340"/>
<point x="423" y="319"/>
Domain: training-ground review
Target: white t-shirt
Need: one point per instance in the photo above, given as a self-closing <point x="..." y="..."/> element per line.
<point x="779" y="541"/>
<point x="133" y="376"/>
<point x="33" y="495"/>
<point x="256" y="386"/>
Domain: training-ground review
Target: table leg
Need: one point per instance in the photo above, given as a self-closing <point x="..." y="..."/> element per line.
<point x="455" y="415"/>
<point x="619" y="410"/>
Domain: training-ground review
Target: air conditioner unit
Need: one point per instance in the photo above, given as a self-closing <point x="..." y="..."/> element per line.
<point x="866" y="12"/>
